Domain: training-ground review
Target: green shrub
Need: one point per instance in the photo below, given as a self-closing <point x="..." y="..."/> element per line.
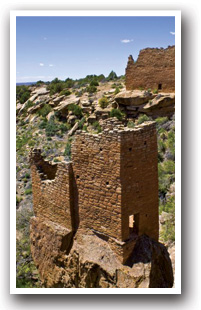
<point x="116" y="113"/>
<point x="26" y="273"/>
<point x="97" y="126"/>
<point x="69" y="83"/>
<point x="131" y="124"/>
<point x="22" y="93"/>
<point x="45" y="110"/>
<point x="77" y="111"/>
<point x="51" y="128"/>
<point x="18" y="199"/>
<point x="171" y="142"/>
<point x="103" y="102"/>
<point x="28" y="191"/>
<point x="65" y="92"/>
<point x="81" y="123"/>
<point x="22" y="140"/>
<point x="67" y="151"/>
<point x="155" y="91"/>
<point x="117" y="90"/>
<point x="63" y="128"/>
<point x="166" y="175"/>
<point x="169" y="166"/>
<point x="161" y="146"/>
<point x="56" y="86"/>
<point x="38" y="83"/>
<point x="84" y="128"/>
<point x="91" y="89"/>
<point x="167" y="233"/>
<point x="43" y="124"/>
<point x="31" y="143"/>
<point x="142" y="118"/>
<point x="94" y="83"/>
<point x="112" y="76"/>
<point x="161" y="120"/>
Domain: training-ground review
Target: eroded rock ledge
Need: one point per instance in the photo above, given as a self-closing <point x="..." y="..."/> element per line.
<point x="86" y="260"/>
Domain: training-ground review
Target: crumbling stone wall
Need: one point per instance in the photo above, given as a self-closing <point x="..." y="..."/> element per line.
<point x="154" y="69"/>
<point x="53" y="191"/>
<point x="110" y="187"/>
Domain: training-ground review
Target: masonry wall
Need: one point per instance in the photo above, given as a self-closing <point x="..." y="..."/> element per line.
<point x="96" y="166"/>
<point x="139" y="179"/>
<point x="154" y="66"/>
<point x="53" y="191"/>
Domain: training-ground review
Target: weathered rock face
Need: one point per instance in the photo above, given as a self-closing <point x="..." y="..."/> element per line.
<point x="88" y="261"/>
<point x="161" y="105"/>
<point x="133" y="98"/>
<point x="136" y="102"/>
<point x="62" y="107"/>
<point x="154" y="68"/>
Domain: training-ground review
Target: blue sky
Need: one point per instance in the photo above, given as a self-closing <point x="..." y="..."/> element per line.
<point x="49" y="47"/>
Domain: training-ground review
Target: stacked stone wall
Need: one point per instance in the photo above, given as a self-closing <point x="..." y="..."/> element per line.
<point x="139" y="179"/>
<point x="96" y="166"/>
<point x="153" y="67"/>
<point x="53" y="197"/>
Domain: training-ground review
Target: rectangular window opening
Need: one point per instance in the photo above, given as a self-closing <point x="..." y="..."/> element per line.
<point x="134" y="224"/>
<point x="159" y="86"/>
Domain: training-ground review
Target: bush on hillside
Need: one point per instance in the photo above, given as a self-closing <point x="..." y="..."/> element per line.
<point x="91" y="89"/>
<point x="97" y="126"/>
<point x="45" y="110"/>
<point x="112" y="76"/>
<point x="77" y="111"/>
<point x="103" y="102"/>
<point x="116" y="113"/>
<point x="142" y="118"/>
<point x="22" y="93"/>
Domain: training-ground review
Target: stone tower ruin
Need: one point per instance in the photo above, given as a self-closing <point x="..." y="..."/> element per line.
<point x="154" y="69"/>
<point x="110" y="187"/>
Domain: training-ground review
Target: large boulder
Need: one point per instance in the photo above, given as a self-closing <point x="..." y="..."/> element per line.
<point x="161" y="105"/>
<point x="36" y="107"/>
<point x="57" y="100"/>
<point x="133" y="98"/>
<point x="63" y="105"/>
<point x="41" y="91"/>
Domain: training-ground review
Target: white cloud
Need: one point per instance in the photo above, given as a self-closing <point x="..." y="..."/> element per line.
<point x="41" y="64"/>
<point x="173" y="33"/>
<point x="126" y="41"/>
<point x="51" y="65"/>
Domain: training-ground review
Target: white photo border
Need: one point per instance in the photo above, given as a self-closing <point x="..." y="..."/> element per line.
<point x="131" y="13"/>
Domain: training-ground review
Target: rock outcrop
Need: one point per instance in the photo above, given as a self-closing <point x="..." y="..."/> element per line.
<point x="136" y="102"/>
<point x="86" y="260"/>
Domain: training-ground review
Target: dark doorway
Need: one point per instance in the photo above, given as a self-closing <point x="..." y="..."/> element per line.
<point x="159" y="86"/>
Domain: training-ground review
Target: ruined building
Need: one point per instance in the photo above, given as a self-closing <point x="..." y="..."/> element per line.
<point x="154" y="69"/>
<point x="110" y="187"/>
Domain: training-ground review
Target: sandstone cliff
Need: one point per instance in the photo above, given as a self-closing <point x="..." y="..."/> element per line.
<point x="87" y="260"/>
